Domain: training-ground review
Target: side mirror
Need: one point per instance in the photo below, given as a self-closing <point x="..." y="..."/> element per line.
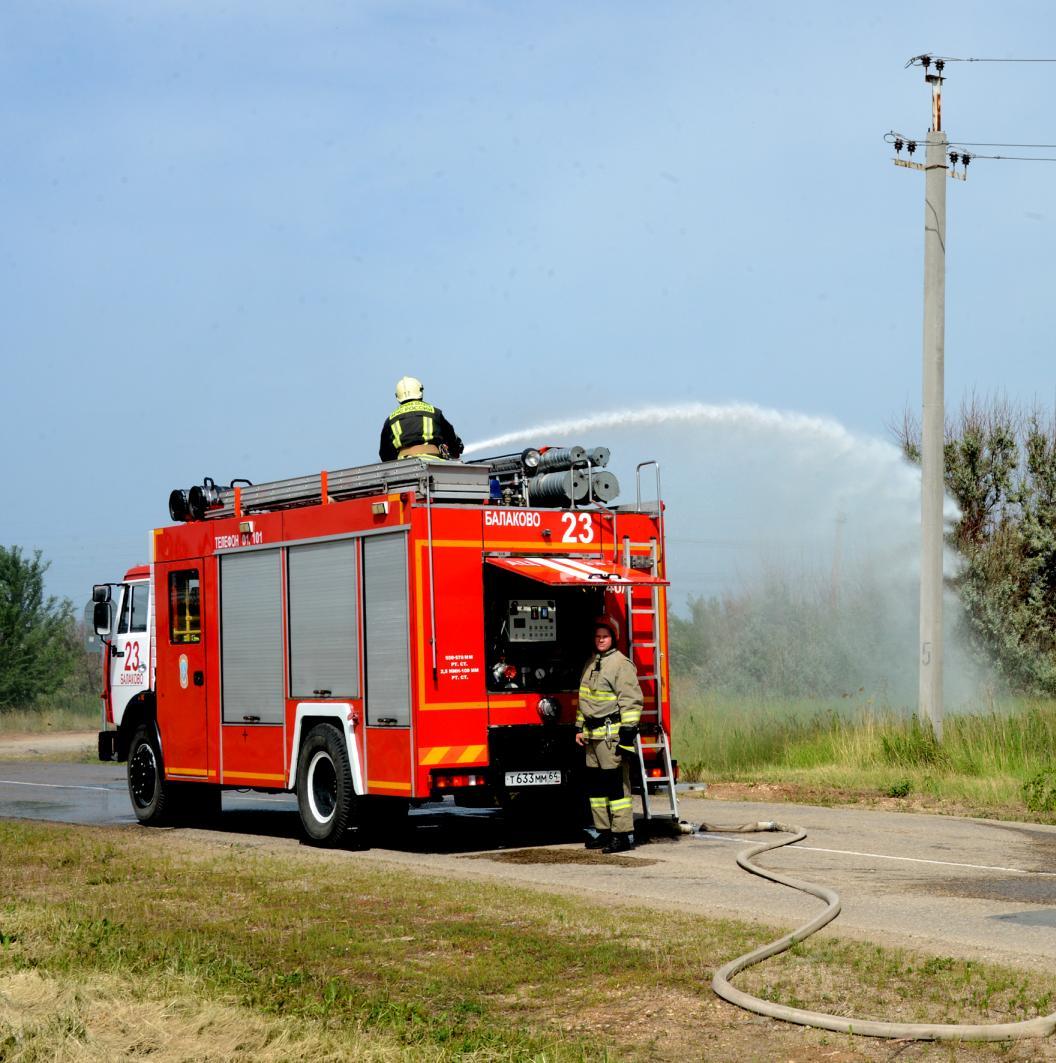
<point x="92" y="642"/>
<point x="101" y="592"/>
<point x="102" y="618"/>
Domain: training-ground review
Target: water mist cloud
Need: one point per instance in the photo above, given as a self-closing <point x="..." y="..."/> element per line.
<point x="760" y="497"/>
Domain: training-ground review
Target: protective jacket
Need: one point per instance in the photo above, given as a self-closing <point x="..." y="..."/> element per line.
<point x="610" y="706"/>
<point x="610" y="696"/>
<point x="417" y="424"/>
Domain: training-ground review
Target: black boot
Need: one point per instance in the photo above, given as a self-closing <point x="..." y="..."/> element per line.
<point x="604" y="838"/>
<point x="620" y="843"/>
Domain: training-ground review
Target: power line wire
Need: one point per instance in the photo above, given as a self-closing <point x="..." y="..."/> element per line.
<point x="995" y="144"/>
<point x="919" y="60"/>
<point x="1017" y="158"/>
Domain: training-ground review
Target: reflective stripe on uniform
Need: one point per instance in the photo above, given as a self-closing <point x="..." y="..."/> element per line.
<point x="596" y="695"/>
<point x="619" y="806"/>
<point x="427" y="429"/>
<point x="415" y="406"/>
<point x="397" y="433"/>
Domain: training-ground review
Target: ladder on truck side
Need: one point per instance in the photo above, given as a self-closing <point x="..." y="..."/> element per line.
<point x="649" y="618"/>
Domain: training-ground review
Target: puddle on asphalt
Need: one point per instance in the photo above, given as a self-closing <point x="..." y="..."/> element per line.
<point x="29" y="809"/>
<point x="1022" y="889"/>
<point x="1041" y="917"/>
<point x="561" y="856"/>
<point x="1042" y="844"/>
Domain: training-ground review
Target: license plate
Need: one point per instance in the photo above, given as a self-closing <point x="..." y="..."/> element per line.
<point x="533" y="778"/>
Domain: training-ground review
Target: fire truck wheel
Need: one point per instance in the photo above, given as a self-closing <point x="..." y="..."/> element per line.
<point x="325" y="796"/>
<point x="151" y="795"/>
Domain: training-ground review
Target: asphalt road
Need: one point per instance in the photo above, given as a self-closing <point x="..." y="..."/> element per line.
<point x="947" y="886"/>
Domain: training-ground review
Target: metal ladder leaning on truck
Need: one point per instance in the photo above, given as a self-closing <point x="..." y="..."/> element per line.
<point x="381" y="636"/>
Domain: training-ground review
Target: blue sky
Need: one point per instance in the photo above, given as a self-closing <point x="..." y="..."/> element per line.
<point x="229" y="227"/>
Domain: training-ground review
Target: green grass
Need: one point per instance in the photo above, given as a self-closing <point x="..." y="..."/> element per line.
<point x="77" y="712"/>
<point x="992" y="758"/>
<point x="230" y="952"/>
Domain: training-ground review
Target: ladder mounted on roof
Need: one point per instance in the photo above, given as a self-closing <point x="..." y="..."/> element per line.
<point x="437" y="481"/>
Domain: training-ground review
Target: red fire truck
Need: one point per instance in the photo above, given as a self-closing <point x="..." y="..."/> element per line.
<point x="376" y="637"/>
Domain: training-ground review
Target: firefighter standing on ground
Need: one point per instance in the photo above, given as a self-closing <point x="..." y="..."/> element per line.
<point x="610" y="708"/>
<point x="415" y="429"/>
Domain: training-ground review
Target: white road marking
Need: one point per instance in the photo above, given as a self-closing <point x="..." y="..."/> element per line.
<point x="882" y="856"/>
<point x="57" y="786"/>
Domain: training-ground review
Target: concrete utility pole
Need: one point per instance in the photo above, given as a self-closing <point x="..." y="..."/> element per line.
<point x="933" y="421"/>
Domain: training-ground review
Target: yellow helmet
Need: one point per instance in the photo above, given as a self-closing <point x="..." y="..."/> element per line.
<point x="409" y="387"/>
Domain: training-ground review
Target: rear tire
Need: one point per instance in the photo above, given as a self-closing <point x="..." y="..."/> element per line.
<point x="326" y="798"/>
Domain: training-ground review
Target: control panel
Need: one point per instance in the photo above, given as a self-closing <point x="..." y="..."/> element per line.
<point x="532" y="620"/>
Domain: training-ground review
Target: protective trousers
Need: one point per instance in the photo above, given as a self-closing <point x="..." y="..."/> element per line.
<point x="609" y="786"/>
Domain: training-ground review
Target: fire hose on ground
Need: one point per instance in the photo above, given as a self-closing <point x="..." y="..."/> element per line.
<point x="1042" y="1026"/>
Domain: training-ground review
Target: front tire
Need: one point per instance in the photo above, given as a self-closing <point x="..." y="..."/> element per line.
<point x="151" y="795"/>
<point x="157" y="802"/>
<point x="326" y="798"/>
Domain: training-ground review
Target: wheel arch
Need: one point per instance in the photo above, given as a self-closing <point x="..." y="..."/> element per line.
<point x="140" y="710"/>
<point x="341" y="715"/>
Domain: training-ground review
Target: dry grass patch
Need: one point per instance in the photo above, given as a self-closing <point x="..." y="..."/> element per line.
<point x="105" y="1018"/>
<point x="815" y="976"/>
<point x="305" y="954"/>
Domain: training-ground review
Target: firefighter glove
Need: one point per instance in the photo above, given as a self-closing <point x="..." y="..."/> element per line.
<point x="628" y="735"/>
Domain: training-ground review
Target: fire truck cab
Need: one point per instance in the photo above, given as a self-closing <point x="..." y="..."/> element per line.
<point x="374" y="637"/>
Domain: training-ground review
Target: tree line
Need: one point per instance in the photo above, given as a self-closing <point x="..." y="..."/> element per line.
<point x="41" y="641"/>
<point x="1000" y="467"/>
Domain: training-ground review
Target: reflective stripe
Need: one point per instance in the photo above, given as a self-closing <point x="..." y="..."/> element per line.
<point x="619" y="806"/>
<point x="598" y="802"/>
<point x="630" y="719"/>
<point x="397" y="434"/>
<point x="427" y="429"/>
<point x="413" y="406"/>
<point x="596" y="695"/>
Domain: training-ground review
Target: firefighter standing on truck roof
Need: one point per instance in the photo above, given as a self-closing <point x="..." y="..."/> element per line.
<point x="610" y="707"/>
<point x="415" y="429"/>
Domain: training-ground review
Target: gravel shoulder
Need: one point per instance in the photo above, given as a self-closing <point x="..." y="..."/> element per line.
<point x="45" y="744"/>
